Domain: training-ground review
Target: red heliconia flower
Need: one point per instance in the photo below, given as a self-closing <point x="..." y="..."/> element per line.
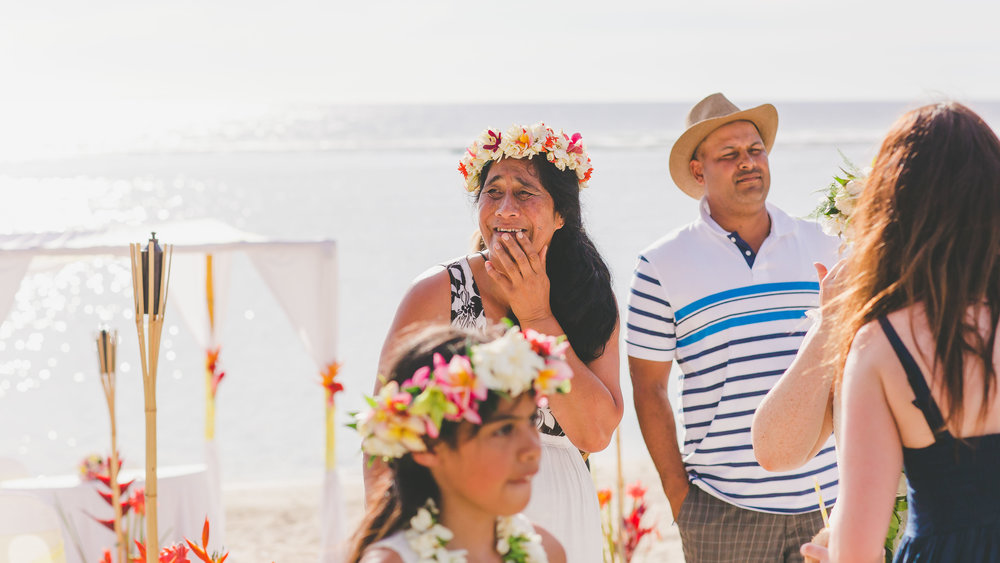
<point x="106" y="479"/>
<point x="636" y="490"/>
<point x="176" y="553"/>
<point x="109" y="523"/>
<point x="328" y="379"/>
<point x="137" y="501"/>
<point x="201" y="551"/>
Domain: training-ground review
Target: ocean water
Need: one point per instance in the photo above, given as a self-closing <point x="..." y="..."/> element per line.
<point x="380" y="180"/>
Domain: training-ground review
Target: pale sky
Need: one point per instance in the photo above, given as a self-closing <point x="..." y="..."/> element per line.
<point x="449" y="51"/>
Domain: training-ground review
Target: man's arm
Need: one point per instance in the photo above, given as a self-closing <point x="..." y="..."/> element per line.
<point x="656" y="421"/>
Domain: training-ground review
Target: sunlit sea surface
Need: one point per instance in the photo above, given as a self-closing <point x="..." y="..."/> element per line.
<point x="380" y="180"/>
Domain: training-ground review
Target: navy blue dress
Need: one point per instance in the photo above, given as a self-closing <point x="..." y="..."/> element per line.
<point x="954" y="485"/>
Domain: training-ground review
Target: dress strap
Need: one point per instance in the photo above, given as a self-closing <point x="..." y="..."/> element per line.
<point x="923" y="401"/>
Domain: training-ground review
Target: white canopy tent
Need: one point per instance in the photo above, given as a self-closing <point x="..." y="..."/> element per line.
<point x="301" y="275"/>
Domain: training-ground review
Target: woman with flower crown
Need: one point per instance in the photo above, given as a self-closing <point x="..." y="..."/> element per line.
<point x="456" y="423"/>
<point x="537" y="266"/>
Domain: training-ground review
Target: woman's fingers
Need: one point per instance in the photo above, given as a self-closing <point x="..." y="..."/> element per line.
<point x="517" y="252"/>
<point x="813" y="552"/>
<point x="820" y="270"/>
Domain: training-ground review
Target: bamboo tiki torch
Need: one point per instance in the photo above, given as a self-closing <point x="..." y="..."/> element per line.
<point x="150" y="277"/>
<point x="107" y="345"/>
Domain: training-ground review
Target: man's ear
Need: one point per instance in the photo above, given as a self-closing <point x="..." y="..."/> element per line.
<point x="426" y="458"/>
<point x="697" y="171"/>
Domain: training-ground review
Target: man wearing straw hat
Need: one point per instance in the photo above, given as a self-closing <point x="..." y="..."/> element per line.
<point x="725" y="298"/>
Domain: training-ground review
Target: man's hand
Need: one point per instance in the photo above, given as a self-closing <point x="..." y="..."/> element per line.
<point x="676" y="497"/>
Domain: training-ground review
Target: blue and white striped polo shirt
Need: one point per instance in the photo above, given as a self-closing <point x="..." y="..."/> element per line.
<point x="733" y="330"/>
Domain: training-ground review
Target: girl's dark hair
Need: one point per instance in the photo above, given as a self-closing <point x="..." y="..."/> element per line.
<point x="407" y="485"/>
<point x="581" y="296"/>
<point x="928" y="225"/>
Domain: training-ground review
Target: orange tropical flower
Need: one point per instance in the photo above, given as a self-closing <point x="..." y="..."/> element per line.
<point x="212" y="365"/>
<point x="604" y="497"/>
<point x="201" y="551"/>
<point x="329" y="381"/>
<point x="137" y="502"/>
<point x="176" y="553"/>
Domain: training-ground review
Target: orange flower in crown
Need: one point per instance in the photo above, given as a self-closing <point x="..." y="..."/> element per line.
<point x="519" y="141"/>
<point x="401" y="415"/>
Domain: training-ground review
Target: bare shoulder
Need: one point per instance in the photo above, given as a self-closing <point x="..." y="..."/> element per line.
<point x="870" y="344"/>
<point x="380" y="555"/>
<point x="553" y="548"/>
<point x="427" y="299"/>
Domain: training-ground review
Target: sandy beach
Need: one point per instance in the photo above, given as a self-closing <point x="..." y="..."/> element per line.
<point x="280" y="522"/>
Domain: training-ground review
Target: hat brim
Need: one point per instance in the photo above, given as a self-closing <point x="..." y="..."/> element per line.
<point x="764" y="117"/>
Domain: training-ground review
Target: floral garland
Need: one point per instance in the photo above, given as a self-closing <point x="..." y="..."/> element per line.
<point x="517" y="540"/>
<point x="401" y="415"/>
<point x="564" y="151"/>
<point x="840" y="201"/>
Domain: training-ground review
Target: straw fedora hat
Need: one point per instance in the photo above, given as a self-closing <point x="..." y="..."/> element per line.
<point x="707" y="116"/>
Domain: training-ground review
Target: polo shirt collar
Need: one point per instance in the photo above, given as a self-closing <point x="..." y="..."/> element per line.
<point x="781" y="223"/>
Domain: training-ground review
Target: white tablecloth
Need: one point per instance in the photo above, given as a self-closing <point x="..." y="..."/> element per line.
<point x="183" y="497"/>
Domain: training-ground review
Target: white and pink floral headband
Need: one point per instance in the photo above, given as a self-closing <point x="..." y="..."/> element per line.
<point x="566" y="152"/>
<point x="400" y="415"/>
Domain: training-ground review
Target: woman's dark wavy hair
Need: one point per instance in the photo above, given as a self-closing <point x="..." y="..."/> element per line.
<point x="581" y="296"/>
<point x="407" y="485"/>
<point x="928" y="225"/>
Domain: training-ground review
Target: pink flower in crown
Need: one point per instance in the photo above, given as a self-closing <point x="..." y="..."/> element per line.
<point x="459" y="383"/>
<point x="421" y="378"/>
<point x="575" y="143"/>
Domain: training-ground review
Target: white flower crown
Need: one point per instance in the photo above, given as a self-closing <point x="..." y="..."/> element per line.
<point x="525" y="142"/>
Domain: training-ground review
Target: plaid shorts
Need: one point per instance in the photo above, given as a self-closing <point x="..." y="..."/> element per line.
<point x="714" y="531"/>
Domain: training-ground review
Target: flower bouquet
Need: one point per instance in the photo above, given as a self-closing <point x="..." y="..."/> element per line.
<point x="840" y="200"/>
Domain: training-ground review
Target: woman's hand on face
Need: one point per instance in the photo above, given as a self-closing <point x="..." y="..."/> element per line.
<point x="520" y="274"/>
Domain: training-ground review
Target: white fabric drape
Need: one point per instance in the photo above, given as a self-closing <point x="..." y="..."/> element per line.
<point x="304" y="281"/>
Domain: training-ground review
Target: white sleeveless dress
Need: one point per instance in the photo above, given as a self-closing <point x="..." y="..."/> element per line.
<point x="397" y="542"/>
<point x="563" y="496"/>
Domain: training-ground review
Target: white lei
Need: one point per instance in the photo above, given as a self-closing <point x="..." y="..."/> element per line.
<point x="516" y="539"/>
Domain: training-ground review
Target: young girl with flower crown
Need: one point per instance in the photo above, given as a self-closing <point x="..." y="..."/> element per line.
<point x="455" y="423"/>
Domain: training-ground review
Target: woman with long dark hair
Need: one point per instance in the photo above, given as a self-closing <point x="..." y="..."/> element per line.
<point x="537" y="267"/>
<point x="916" y="350"/>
